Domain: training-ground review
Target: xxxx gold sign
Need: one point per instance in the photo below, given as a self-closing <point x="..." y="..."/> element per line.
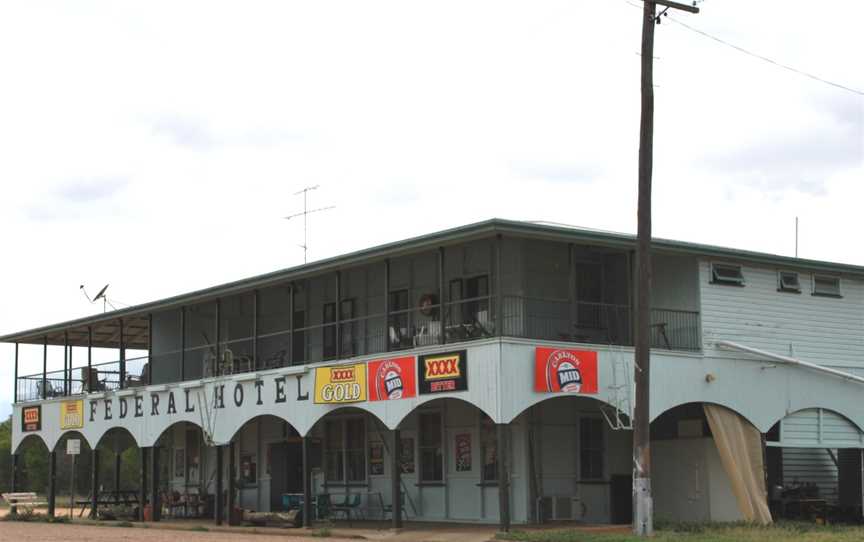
<point x="443" y="372"/>
<point x="344" y="384"/>
<point x="72" y="414"/>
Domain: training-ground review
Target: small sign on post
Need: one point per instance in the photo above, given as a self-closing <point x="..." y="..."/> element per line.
<point x="73" y="448"/>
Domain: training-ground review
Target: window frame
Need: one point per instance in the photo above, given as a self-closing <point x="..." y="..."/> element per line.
<point x="823" y="276"/>
<point x="421" y="447"/>
<point x="342" y="452"/>
<point x="600" y="449"/>
<point x="782" y="285"/>
<point x="727" y="281"/>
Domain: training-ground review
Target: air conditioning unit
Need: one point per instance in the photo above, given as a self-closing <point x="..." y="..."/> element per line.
<point x="560" y="508"/>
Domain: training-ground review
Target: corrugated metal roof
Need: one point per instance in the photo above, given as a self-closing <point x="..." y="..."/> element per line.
<point x="444" y="237"/>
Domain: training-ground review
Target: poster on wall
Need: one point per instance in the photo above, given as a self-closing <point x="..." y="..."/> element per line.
<point x="248" y="469"/>
<point x="72" y="414"/>
<point x="31" y="418"/>
<point x="463" y="452"/>
<point x="407" y="453"/>
<point x="565" y="371"/>
<point x="179" y="463"/>
<point x="376" y="459"/>
<point x="342" y="384"/>
<point x="391" y="379"/>
<point x="443" y="372"/>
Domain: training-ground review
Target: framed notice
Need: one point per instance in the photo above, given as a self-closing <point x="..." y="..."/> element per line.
<point x="376" y="459"/>
<point x="565" y="371"/>
<point x="463" y="452"/>
<point x="441" y="373"/>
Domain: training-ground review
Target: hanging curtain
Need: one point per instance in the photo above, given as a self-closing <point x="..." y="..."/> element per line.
<point x="740" y="447"/>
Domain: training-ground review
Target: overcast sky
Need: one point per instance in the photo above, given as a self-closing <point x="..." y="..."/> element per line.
<point x="156" y="146"/>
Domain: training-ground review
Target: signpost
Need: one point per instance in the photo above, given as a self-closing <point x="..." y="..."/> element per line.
<point x="73" y="448"/>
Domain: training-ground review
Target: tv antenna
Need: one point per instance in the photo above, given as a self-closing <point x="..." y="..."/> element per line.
<point x="305" y="213"/>
<point x="101" y="295"/>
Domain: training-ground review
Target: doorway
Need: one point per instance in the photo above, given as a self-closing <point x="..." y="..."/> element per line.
<point x="286" y="472"/>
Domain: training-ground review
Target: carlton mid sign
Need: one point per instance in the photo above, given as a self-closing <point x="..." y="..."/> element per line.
<point x="72" y="414"/>
<point x="343" y="384"/>
<point x="391" y="379"/>
<point x="565" y="371"/>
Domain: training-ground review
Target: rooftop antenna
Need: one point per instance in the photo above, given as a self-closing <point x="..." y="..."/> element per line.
<point x="101" y="295"/>
<point x="305" y="192"/>
<point x="796" y="236"/>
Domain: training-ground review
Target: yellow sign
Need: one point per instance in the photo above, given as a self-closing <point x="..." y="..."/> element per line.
<point x="72" y="414"/>
<point x="344" y="384"/>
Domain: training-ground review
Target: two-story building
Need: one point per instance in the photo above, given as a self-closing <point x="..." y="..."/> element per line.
<point x="483" y="374"/>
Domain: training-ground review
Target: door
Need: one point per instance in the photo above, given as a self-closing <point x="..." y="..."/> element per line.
<point x="286" y="471"/>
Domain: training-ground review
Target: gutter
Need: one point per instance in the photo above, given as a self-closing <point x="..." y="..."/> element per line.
<point x="786" y="360"/>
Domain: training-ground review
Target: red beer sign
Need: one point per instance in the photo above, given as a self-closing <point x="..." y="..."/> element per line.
<point x="391" y="379"/>
<point x="565" y="371"/>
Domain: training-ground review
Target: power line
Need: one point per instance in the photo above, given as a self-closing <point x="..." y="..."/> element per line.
<point x="766" y="59"/>
<point x="756" y="55"/>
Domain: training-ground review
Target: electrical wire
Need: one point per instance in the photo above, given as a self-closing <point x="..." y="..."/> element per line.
<point x="756" y="55"/>
<point x="766" y="59"/>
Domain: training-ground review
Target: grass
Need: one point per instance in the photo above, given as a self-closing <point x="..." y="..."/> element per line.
<point x="705" y="532"/>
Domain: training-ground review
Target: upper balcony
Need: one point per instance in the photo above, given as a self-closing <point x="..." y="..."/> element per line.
<point x="512" y="287"/>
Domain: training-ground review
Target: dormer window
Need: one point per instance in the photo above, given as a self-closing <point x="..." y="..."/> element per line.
<point x="788" y="282"/>
<point x="826" y="285"/>
<point x="724" y="273"/>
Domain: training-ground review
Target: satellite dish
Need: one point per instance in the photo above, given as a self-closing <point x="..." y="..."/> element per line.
<point x="101" y="293"/>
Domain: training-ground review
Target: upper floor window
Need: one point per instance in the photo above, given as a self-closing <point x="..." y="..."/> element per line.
<point x="788" y="282"/>
<point x="724" y="273"/>
<point x="826" y="285"/>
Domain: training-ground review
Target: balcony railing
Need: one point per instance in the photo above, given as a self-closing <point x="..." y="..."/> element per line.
<point x="104" y="377"/>
<point x="403" y="329"/>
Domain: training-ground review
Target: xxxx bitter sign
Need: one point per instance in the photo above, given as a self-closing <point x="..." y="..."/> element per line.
<point x="31" y="418"/>
<point x="443" y="372"/>
<point x="343" y="384"/>
<point x="72" y="414"/>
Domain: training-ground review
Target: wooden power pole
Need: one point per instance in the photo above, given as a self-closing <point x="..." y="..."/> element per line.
<point x="643" y="503"/>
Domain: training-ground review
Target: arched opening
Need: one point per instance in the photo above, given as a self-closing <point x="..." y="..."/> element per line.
<point x="814" y="461"/>
<point x="347" y="456"/>
<point x="31" y="474"/>
<point x="73" y="474"/>
<point x="697" y="450"/>
<point x="118" y="485"/>
<point x="576" y="460"/>
<point x="267" y="461"/>
<point x="186" y="474"/>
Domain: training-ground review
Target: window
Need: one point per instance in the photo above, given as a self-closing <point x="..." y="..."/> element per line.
<point x="345" y="442"/>
<point x="431" y="455"/>
<point x="400" y="316"/>
<point x="488" y="449"/>
<point x="724" y="273"/>
<point x="348" y="330"/>
<point x="329" y="330"/>
<point x="788" y="282"/>
<point x="477" y="290"/>
<point x="826" y="285"/>
<point x="591" y="448"/>
<point x="333" y="457"/>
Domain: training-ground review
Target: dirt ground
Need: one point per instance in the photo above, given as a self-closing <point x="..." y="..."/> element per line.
<point x="23" y="531"/>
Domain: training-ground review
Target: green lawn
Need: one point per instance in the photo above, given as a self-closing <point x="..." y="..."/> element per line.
<point x="782" y="532"/>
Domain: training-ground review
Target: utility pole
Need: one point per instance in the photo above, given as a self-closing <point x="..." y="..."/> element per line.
<point x="643" y="503"/>
<point x="304" y="214"/>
